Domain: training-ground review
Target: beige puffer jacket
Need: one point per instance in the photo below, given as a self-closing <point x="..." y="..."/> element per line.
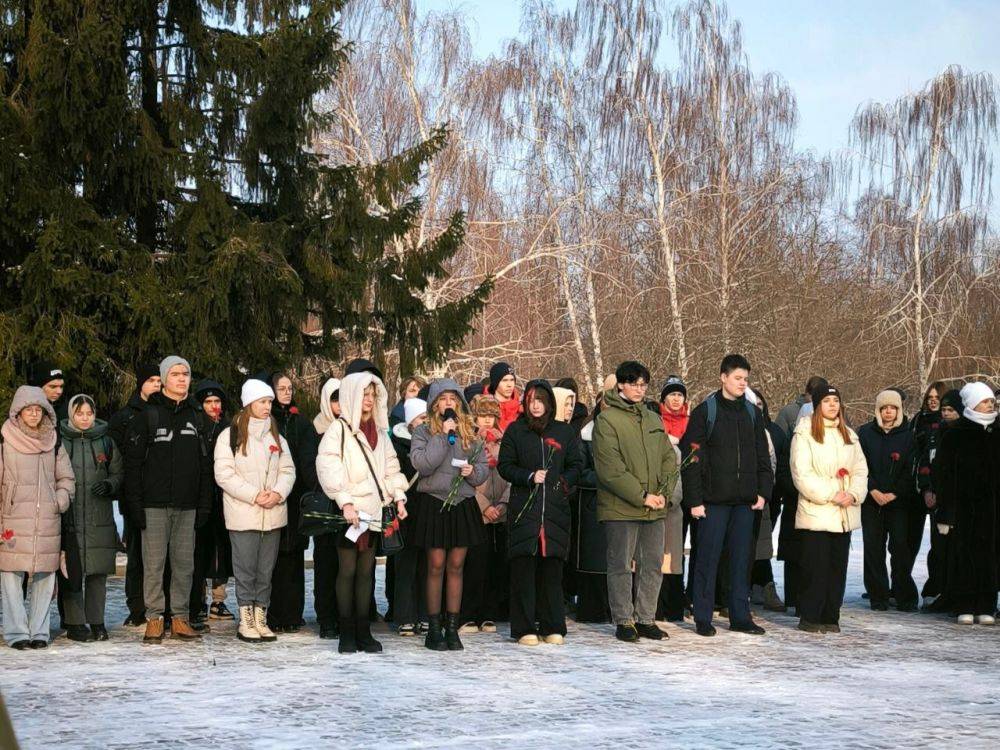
<point x="814" y="471"/>
<point x="343" y="472"/>
<point x="36" y="486"/>
<point x="242" y="477"/>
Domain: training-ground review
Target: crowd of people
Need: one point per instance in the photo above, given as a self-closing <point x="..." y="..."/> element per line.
<point x="501" y="501"/>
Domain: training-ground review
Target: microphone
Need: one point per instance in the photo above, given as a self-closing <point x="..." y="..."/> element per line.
<point x="450" y="414"/>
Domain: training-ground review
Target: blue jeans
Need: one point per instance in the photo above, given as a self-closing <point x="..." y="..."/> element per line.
<point x="29" y="620"/>
<point x="729" y="526"/>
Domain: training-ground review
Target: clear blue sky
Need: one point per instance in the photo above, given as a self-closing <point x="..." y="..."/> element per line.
<point x="835" y="55"/>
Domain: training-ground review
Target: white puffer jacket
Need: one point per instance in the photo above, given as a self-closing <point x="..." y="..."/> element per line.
<point x="343" y="472"/>
<point x="815" y="467"/>
<point x="242" y="477"/>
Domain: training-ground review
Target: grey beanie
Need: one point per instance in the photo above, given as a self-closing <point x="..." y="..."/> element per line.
<point x="169" y="362"/>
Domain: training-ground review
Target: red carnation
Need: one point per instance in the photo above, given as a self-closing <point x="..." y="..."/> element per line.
<point x="293" y="410"/>
<point x="925" y="471"/>
<point x="695" y="446"/>
<point x="492" y="462"/>
<point x="841" y="473"/>
<point x="275" y="449"/>
<point x="101" y="458"/>
<point x="693" y="459"/>
<point x="7" y="535"/>
<point x="894" y="456"/>
<point x="553" y="444"/>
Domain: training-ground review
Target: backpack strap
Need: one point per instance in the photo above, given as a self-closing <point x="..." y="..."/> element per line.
<point x="712" y="406"/>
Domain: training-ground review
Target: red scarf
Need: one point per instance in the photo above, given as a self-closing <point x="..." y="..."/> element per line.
<point x="674" y="424"/>
<point x="370" y="431"/>
<point x="510" y="409"/>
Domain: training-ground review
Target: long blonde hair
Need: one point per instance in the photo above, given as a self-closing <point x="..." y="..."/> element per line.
<point x="241" y="425"/>
<point x="819" y="427"/>
<point x="466" y="426"/>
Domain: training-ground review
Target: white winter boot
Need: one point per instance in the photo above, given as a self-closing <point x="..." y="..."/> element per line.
<point x="986" y="620"/>
<point x="247" y="630"/>
<point x="260" y="620"/>
<point x="966" y="619"/>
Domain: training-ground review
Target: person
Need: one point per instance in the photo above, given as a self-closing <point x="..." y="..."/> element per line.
<point x="887" y="442"/>
<point x="147" y="382"/>
<point x="288" y="597"/>
<point x="358" y="468"/>
<point x="409" y="388"/>
<point x="485" y="593"/>
<point x="589" y="553"/>
<point x="168" y="492"/>
<point x="52" y="380"/>
<point x="503" y="387"/>
<point x="565" y="404"/>
<point x="97" y="468"/>
<point x="926" y="425"/>
<point x="730" y="480"/>
<point x="636" y="473"/>
<point x="967" y="495"/>
<point x="580" y="413"/>
<point x="255" y="470"/>
<point x="673" y="409"/>
<point x="449" y="473"/>
<point x="831" y="475"/>
<point x="324" y="546"/>
<point x="541" y="458"/>
<point x="37" y="485"/>
<point x="408" y="605"/>
<point x="213" y="554"/>
<point x="925" y="445"/>
<point x="788" y="416"/>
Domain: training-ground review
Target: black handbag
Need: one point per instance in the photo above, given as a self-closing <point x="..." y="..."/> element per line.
<point x="315" y="514"/>
<point x="392" y="536"/>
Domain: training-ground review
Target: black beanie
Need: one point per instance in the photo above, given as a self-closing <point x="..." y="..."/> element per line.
<point x="953" y="398"/>
<point x="363" y="365"/>
<point x="44" y="372"/>
<point x="497" y="373"/>
<point x="144" y="372"/>
<point x="822" y="392"/>
<point x="673" y="385"/>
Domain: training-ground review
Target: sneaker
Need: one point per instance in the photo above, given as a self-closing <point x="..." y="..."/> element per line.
<point x="488" y="626"/>
<point x="20" y="645"/>
<point x="37" y="643"/>
<point x="219" y="611"/>
<point x="627" y="632"/>
<point x="986" y="620"/>
<point x="555" y="639"/>
<point x="528" y="640"/>
<point x="422" y="627"/>
<point x="650" y="631"/>
<point x="966" y="619"/>
<point x="407" y="630"/>
<point x="468" y="627"/>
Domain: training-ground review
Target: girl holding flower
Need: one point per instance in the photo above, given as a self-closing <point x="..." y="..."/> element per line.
<point x="542" y="459"/>
<point x="451" y="462"/>
<point x="254" y="468"/>
<point x="831" y="475"/>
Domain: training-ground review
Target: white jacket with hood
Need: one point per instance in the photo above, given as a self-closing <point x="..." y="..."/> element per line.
<point x="815" y="468"/>
<point x="242" y="477"/>
<point x="343" y="471"/>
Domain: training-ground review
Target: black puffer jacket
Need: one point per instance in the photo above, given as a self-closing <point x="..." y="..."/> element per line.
<point x="890" y="459"/>
<point x="167" y="460"/>
<point x="522" y="453"/>
<point x="734" y="464"/>
<point x="303" y="444"/>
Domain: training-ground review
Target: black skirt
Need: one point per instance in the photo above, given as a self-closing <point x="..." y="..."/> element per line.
<point x="434" y="528"/>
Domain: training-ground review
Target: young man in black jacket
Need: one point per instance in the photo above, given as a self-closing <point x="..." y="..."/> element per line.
<point x="168" y="491"/>
<point x="147" y="382"/>
<point x="887" y="442"/>
<point x="727" y="478"/>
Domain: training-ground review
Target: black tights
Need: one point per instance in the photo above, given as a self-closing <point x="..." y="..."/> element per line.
<point x="437" y="561"/>
<point x="354" y="581"/>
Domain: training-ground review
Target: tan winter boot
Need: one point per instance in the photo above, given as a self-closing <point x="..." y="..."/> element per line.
<point x="247" y="630"/>
<point x="260" y="620"/>
<point x="181" y="629"/>
<point x="154" y="631"/>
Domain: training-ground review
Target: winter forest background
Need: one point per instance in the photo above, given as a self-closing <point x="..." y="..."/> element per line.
<point x="271" y="183"/>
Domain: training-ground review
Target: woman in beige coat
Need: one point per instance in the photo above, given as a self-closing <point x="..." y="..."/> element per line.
<point x="36" y="486"/>
<point x="255" y="471"/>
<point x="830" y="472"/>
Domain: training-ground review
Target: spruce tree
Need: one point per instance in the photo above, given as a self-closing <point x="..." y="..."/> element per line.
<point x="158" y="195"/>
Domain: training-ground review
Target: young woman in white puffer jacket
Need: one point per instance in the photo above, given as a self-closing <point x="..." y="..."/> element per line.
<point x="255" y="470"/>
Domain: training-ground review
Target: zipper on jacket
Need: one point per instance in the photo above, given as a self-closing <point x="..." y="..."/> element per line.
<point x="541" y="529"/>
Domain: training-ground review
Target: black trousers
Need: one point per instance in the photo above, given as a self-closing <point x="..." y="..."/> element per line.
<point x="536" y="596"/>
<point x="409" y="592"/>
<point x="670" y="604"/>
<point x="793" y="582"/>
<point x="880" y="525"/>
<point x="823" y="559"/>
<point x="325" y="566"/>
<point x="288" y="590"/>
<point x="592" y="597"/>
<point x="133" y="570"/>
<point x="937" y="563"/>
<point x="487" y="578"/>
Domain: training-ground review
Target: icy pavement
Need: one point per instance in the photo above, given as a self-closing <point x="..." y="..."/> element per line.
<point x="889" y="680"/>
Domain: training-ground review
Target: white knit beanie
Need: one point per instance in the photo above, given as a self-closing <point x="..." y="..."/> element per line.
<point x="973" y="394"/>
<point x="413" y="408"/>
<point x="254" y="390"/>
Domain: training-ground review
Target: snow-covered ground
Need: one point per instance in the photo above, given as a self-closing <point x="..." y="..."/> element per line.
<point x="889" y="680"/>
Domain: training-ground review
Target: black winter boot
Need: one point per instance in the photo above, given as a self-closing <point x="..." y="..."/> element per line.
<point x="435" y="638"/>
<point x="366" y="643"/>
<point x="348" y="643"/>
<point x="451" y="632"/>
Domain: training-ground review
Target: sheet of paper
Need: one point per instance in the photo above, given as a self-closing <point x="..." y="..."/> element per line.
<point x="458" y="463"/>
<point x="354" y="532"/>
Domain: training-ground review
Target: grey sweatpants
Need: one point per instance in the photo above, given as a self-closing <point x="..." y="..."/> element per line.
<point x="168" y="531"/>
<point x="87" y="607"/>
<point x="254" y="555"/>
<point x="641" y="541"/>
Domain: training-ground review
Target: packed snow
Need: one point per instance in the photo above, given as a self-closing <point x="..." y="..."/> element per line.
<point x="889" y="680"/>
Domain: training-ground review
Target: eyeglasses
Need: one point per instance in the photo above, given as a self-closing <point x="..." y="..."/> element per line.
<point x="285" y="389"/>
<point x="638" y="384"/>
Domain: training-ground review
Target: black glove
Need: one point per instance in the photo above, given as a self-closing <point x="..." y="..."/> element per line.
<point x="201" y="518"/>
<point x="137" y="515"/>
<point x="102" y="488"/>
